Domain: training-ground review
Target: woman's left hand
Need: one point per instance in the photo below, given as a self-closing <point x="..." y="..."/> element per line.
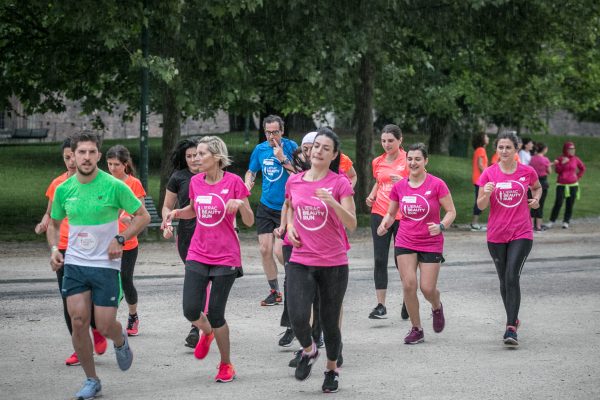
<point x="434" y="229"/>
<point x="533" y="203"/>
<point x="233" y="205"/>
<point x="325" y="196"/>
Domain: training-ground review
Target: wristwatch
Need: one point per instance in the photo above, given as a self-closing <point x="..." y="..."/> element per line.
<point x="120" y="239"/>
<point x="285" y="161"/>
<point x="442" y="227"/>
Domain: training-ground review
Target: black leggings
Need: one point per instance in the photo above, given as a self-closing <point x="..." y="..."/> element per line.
<point x="539" y="212"/>
<point x="59" y="277"/>
<point x="509" y="259"/>
<point x="558" y="201"/>
<point x="476" y="210"/>
<point x="194" y="296"/>
<point x="285" y="318"/>
<point x="331" y="283"/>
<point x="184" y="237"/>
<point x="381" y="251"/>
<point x="128" y="260"/>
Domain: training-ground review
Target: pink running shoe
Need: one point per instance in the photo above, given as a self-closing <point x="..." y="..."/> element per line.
<point x="99" y="342"/>
<point x="133" y="325"/>
<point x="203" y="345"/>
<point x="415" y="335"/>
<point x="438" y="319"/>
<point x="73" y="360"/>
<point x="226" y="373"/>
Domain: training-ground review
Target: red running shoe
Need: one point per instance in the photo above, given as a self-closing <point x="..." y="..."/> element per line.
<point x="203" y="345"/>
<point x="99" y="342"/>
<point x="133" y="325"/>
<point x="73" y="360"/>
<point x="226" y="373"/>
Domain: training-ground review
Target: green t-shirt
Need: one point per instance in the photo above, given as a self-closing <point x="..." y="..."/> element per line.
<point x="93" y="212"/>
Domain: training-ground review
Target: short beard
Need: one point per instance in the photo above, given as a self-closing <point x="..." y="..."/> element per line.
<point x="86" y="173"/>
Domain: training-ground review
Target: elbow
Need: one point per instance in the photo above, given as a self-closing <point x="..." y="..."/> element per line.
<point x="352" y="225"/>
<point x="248" y="221"/>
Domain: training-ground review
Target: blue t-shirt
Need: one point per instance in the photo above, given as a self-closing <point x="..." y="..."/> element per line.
<point x="274" y="175"/>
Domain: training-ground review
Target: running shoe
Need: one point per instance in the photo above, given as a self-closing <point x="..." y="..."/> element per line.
<point x="340" y="360"/>
<point x="272" y="299"/>
<point x="72" y="360"/>
<point x="549" y="225"/>
<point x="565" y="225"/>
<point x="226" y="373"/>
<point x="510" y="336"/>
<point x="438" y="319"/>
<point x="330" y="384"/>
<point x="192" y="338"/>
<point x="304" y="367"/>
<point x="90" y="390"/>
<point x="287" y="338"/>
<point x="203" y="346"/>
<point x="379" y="312"/>
<point x="478" y="228"/>
<point x="133" y="325"/>
<point x="415" y="335"/>
<point x="124" y="354"/>
<point x="100" y="342"/>
<point x="404" y="313"/>
<point x="294" y="361"/>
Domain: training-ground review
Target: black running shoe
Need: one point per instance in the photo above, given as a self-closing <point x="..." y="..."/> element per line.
<point x="379" y="312"/>
<point x="192" y="338"/>
<point x="272" y="299"/>
<point x="510" y="336"/>
<point x="305" y="365"/>
<point x="404" y="313"/>
<point x="294" y="361"/>
<point x="287" y="338"/>
<point x="330" y="384"/>
<point x="320" y="342"/>
<point x="340" y="359"/>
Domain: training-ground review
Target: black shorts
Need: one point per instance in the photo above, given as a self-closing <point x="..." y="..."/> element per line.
<point x="266" y="219"/>
<point x="422" y="256"/>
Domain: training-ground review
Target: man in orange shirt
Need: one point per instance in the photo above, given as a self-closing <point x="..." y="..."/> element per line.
<point x="480" y="162"/>
<point x="69" y="159"/>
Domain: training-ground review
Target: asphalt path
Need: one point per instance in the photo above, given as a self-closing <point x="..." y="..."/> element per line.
<point x="558" y="356"/>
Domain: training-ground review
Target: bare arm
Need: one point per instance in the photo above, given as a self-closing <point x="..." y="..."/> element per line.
<point x="483" y="197"/>
<point x="351" y="174"/>
<point x="53" y="236"/>
<point x="536" y="195"/>
<point x="249" y="179"/>
<point x="388" y="219"/>
<point x="479" y="165"/>
<point x="448" y="205"/>
<point x="372" y="195"/>
<point x="43" y="225"/>
<point x="168" y="206"/>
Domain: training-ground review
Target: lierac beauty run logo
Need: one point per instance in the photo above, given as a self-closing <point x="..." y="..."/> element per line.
<point x="312" y="213"/>
<point x="210" y="209"/>
<point x="272" y="169"/>
<point x="415" y="207"/>
<point x="509" y="194"/>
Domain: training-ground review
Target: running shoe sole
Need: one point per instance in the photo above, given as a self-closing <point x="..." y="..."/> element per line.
<point x="221" y="380"/>
<point x="511" y="342"/>
<point x="330" y="391"/>
<point x="377" y="316"/>
<point x="416" y="341"/>
<point x="99" y="394"/>
<point x="262" y="303"/>
<point x="287" y="344"/>
<point x="73" y="365"/>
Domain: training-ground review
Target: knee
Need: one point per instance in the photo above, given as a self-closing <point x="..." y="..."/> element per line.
<point x="265" y="249"/>
<point x="409" y="285"/>
<point x="191" y="311"/>
<point x="79" y="322"/>
<point x="428" y="291"/>
<point x="215" y="318"/>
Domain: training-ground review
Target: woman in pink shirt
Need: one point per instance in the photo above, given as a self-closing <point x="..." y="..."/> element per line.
<point x="388" y="168"/>
<point x="214" y="253"/>
<point x="420" y="242"/>
<point x="321" y="205"/>
<point x="503" y="187"/>
<point x="542" y="167"/>
<point x="569" y="169"/>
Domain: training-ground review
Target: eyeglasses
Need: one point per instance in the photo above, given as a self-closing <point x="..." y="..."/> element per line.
<point x="272" y="133"/>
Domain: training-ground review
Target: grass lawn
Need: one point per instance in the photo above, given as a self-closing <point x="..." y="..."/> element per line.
<point x="27" y="169"/>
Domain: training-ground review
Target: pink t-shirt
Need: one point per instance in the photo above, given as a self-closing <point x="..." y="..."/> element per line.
<point x="215" y="241"/>
<point x="509" y="210"/>
<point x="324" y="242"/>
<point x="540" y="164"/>
<point x="419" y="206"/>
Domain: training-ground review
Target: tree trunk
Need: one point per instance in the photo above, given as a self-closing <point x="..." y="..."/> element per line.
<point x="440" y="132"/>
<point x="171" y="134"/>
<point x="364" y="130"/>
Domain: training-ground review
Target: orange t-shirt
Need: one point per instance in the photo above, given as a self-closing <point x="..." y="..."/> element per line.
<point x="495" y="158"/>
<point x="479" y="153"/>
<point x="382" y="172"/>
<point x="63" y="242"/>
<point x="138" y="190"/>
<point x="345" y="163"/>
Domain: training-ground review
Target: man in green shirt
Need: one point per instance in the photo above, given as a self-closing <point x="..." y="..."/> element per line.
<point x="92" y="200"/>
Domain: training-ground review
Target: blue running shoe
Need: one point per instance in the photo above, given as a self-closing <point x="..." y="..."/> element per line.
<point x="124" y="354"/>
<point x="90" y="389"/>
<point x="510" y="336"/>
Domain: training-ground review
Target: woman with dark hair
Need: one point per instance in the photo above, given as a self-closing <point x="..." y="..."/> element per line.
<point x="388" y="168"/>
<point x="542" y="167"/>
<point x="503" y="187"/>
<point x="480" y="162"/>
<point x="420" y="241"/>
<point x="120" y="165"/>
<point x="216" y="196"/>
<point x="185" y="166"/>
<point x="570" y="170"/>
<point x="525" y="152"/>
<point x="321" y="205"/>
